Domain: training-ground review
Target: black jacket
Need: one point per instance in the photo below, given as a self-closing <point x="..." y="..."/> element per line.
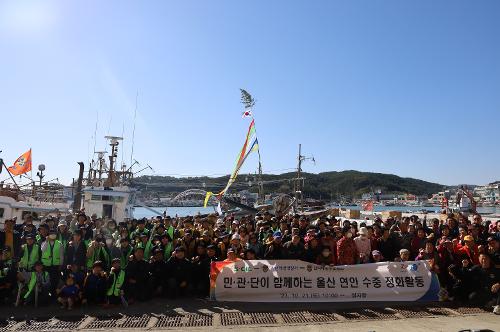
<point x="76" y="254"/>
<point x="179" y="269"/>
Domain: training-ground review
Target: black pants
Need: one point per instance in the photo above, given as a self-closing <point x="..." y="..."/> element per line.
<point x="484" y="297"/>
<point x="139" y="291"/>
<point x="54" y="276"/>
<point x="174" y="288"/>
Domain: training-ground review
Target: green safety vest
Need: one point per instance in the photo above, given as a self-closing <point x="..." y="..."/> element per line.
<point x="38" y="239"/>
<point x="147" y="249"/>
<point x="117" y="283"/>
<point x="167" y="253"/>
<point x="63" y="241"/>
<point x="170" y="232"/>
<point x="124" y="260"/>
<point x="29" y="258"/>
<point x="95" y="257"/>
<point x="32" y="283"/>
<point x="51" y="256"/>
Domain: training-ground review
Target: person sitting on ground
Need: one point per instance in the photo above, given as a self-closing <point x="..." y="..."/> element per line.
<point x="138" y="277"/>
<point x="179" y="271"/>
<point x="486" y="279"/>
<point x="69" y="294"/>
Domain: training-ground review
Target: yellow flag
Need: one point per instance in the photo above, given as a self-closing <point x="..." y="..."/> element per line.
<point x="207" y="197"/>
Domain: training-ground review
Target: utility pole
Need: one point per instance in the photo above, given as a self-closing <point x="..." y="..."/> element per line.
<point x="297" y="184"/>
<point x="261" y="185"/>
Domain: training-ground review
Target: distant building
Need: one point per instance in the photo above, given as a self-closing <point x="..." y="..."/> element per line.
<point x="489" y="193"/>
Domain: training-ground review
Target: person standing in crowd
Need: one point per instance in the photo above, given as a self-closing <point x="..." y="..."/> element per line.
<point x="347" y="253"/>
<point x="63" y="235"/>
<point x="30" y="253"/>
<point x="363" y="245"/>
<point x="464" y="254"/>
<point x="76" y="251"/>
<point x="467" y="251"/>
<point x="53" y="259"/>
<point x="97" y="251"/>
<point x="387" y="246"/>
<point x="7" y="275"/>
<point x="326" y="257"/>
<point x="294" y="249"/>
<point x="9" y="237"/>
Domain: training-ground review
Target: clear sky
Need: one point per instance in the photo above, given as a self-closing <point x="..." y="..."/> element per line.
<point x="404" y="87"/>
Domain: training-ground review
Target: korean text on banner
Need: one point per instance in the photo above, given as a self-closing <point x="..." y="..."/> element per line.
<point x="298" y="281"/>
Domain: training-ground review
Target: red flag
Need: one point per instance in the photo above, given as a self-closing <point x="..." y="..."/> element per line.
<point x="22" y="164"/>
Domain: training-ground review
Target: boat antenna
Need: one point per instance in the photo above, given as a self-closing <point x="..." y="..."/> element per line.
<point x="95" y="130"/>
<point x="133" y="131"/>
<point x="109" y="130"/>
<point x="123" y="148"/>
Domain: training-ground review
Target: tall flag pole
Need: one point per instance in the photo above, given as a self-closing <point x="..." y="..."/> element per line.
<point x="250" y="145"/>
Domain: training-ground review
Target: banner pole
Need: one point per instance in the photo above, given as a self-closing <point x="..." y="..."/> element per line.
<point x="7" y="169"/>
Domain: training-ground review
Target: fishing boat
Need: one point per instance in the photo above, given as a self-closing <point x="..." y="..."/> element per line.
<point x="33" y="198"/>
<point x="107" y="192"/>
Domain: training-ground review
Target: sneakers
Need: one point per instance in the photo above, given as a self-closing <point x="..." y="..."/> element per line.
<point x="496" y="309"/>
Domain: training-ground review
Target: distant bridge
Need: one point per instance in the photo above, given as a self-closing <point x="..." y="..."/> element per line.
<point x="191" y="193"/>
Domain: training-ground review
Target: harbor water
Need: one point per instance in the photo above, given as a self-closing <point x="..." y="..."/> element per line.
<point x="182" y="211"/>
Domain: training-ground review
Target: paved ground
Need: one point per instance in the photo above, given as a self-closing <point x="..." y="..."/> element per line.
<point x="201" y="315"/>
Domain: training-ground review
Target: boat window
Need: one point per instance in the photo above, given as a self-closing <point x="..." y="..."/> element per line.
<point x="33" y="214"/>
<point x="1" y="212"/>
<point x="96" y="197"/>
<point x="107" y="211"/>
<point x="107" y="198"/>
<point x="118" y="199"/>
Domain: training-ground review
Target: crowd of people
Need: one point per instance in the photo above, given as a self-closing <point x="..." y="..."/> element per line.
<point x="79" y="259"/>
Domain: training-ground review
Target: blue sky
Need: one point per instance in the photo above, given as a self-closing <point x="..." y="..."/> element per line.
<point x="404" y="87"/>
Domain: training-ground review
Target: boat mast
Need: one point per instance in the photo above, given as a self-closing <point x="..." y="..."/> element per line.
<point x="110" y="181"/>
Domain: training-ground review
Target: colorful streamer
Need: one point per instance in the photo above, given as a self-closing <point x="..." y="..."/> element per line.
<point x="251" y="144"/>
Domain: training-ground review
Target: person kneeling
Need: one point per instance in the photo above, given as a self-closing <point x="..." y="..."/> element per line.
<point x="38" y="291"/>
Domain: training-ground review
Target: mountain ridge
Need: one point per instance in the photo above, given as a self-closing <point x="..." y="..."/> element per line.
<point x="326" y="185"/>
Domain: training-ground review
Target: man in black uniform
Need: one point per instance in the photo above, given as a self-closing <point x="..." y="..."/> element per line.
<point x="138" y="277"/>
<point x="158" y="268"/>
<point x="76" y="251"/>
<point x="179" y="271"/>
